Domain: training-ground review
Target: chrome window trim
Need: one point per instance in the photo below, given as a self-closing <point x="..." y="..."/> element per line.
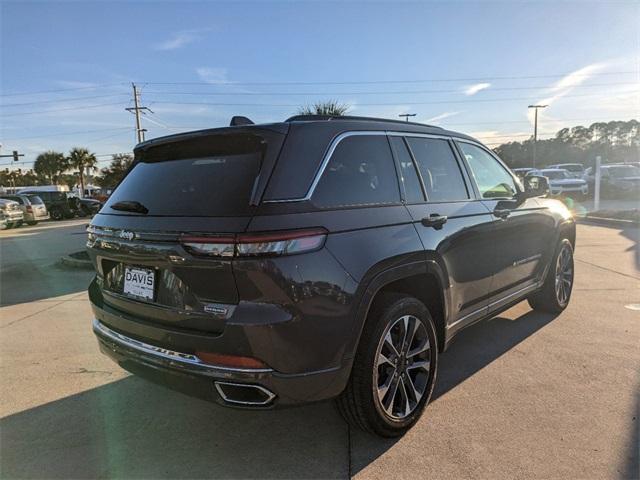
<point x="334" y="144"/>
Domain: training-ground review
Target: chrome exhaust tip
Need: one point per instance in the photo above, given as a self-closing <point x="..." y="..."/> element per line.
<point x="244" y="394"/>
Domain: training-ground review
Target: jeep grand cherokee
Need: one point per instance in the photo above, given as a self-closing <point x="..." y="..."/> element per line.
<point x="271" y="265"/>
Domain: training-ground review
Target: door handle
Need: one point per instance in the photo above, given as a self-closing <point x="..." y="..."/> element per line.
<point x="502" y="212"/>
<point x="434" y="220"/>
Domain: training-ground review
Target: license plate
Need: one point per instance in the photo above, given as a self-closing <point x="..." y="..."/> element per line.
<point x="139" y="282"/>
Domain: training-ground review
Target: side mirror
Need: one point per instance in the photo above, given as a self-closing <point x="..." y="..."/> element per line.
<point x="536" y="186"/>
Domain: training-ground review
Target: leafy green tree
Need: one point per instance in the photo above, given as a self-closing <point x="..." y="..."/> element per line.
<point x="329" y="107"/>
<point x="616" y="141"/>
<point x="110" y="176"/>
<point x="81" y="159"/>
<point x="49" y="165"/>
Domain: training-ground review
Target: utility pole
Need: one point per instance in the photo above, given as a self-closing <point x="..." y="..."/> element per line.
<point x="535" y="130"/>
<point x="136" y="110"/>
<point x="407" y="115"/>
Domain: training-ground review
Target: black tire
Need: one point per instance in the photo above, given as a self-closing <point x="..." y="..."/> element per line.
<point x="56" y="214"/>
<point x="19" y="224"/>
<point x="551" y="298"/>
<point x="32" y="223"/>
<point x="360" y="404"/>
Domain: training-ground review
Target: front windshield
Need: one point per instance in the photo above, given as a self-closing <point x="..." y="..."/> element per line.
<point x="556" y="174"/>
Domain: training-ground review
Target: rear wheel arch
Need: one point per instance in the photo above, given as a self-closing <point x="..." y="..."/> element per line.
<point x="424" y="281"/>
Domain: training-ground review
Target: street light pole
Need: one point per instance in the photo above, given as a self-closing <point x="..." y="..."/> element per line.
<point x="407" y="115"/>
<point x="535" y="130"/>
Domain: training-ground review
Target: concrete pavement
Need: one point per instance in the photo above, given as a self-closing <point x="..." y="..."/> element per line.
<point x="522" y="395"/>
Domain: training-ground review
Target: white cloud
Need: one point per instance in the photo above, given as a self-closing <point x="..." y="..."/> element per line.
<point x="213" y="75"/>
<point x="181" y="39"/>
<point x="442" y="116"/>
<point x="473" y="89"/>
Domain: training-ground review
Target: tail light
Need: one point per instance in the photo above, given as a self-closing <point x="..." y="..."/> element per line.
<point x="256" y="244"/>
<point x="29" y="209"/>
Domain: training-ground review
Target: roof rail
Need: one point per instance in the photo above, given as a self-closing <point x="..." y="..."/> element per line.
<point x="309" y="118"/>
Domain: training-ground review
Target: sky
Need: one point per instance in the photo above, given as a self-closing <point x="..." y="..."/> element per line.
<point x="474" y="66"/>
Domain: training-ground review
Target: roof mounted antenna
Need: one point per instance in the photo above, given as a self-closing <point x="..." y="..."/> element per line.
<point x="238" y="120"/>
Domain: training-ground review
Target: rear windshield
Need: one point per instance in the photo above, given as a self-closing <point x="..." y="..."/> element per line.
<point x="208" y="176"/>
<point x="35" y="200"/>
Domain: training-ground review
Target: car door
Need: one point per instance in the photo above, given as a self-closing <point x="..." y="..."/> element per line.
<point x="523" y="228"/>
<point x="455" y="228"/>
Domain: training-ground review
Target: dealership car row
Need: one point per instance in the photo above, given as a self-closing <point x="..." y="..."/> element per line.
<point x="617" y="179"/>
<point x="30" y="205"/>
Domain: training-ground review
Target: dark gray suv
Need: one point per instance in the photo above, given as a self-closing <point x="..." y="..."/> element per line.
<point x="278" y="264"/>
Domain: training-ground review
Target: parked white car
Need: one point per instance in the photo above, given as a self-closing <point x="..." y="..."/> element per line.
<point x="12" y="213"/>
<point x="562" y="181"/>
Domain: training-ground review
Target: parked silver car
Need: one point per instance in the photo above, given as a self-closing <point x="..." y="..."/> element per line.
<point x="32" y="206"/>
<point x="575" y="169"/>
<point x="562" y="182"/>
<point x="12" y="213"/>
<point x="619" y="179"/>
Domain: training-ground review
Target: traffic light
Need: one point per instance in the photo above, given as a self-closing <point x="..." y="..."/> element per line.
<point x="15" y="155"/>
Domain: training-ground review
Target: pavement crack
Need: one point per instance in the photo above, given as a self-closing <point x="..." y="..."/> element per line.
<point x="32" y="314"/>
<point x="608" y="269"/>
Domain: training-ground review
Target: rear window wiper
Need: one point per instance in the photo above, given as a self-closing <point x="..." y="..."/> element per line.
<point x="130" y="206"/>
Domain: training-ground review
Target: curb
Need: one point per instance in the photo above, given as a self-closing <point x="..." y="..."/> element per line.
<point x="608" y="222"/>
<point x="75" y="263"/>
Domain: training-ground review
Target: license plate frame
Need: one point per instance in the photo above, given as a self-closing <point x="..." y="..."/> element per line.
<point x="139" y="283"/>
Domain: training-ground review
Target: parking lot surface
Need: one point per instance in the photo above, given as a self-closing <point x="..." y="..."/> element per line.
<point x="522" y="395"/>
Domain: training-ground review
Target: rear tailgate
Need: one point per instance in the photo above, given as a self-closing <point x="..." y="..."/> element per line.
<point x="197" y="184"/>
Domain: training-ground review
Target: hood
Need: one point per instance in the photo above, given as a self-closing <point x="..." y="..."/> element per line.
<point x="567" y="182"/>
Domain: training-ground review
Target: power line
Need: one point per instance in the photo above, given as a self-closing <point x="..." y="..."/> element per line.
<point x="68" y="133"/>
<point x="374" y="82"/>
<point x="60" y="109"/>
<point x="399" y="92"/>
<point x="62" y="100"/>
<point x="93" y="87"/>
<point x="292" y="105"/>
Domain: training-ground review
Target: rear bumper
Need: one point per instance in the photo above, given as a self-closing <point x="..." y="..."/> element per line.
<point x="13" y="217"/>
<point x="35" y="217"/>
<point x="264" y="388"/>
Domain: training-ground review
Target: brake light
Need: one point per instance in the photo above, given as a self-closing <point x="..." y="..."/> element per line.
<point x="257" y="244"/>
<point x="29" y="209"/>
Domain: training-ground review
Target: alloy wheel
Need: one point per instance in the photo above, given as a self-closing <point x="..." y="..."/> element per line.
<point x="564" y="275"/>
<point x="402" y="367"/>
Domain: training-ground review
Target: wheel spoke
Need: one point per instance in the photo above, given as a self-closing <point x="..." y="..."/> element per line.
<point x="411" y="325"/>
<point x="384" y="388"/>
<point x="382" y="359"/>
<point x="391" y="394"/>
<point x="388" y="341"/>
<point x="422" y="365"/>
<point x="404" y="394"/>
<point x="413" y="390"/>
<point x="424" y="347"/>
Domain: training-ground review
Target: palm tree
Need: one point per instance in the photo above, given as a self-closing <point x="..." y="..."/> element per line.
<point x="50" y="165"/>
<point x="81" y="159"/>
<point x="330" y="107"/>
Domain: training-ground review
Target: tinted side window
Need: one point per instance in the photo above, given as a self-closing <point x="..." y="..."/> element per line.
<point x="439" y="169"/>
<point x="360" y="172"/>
<point x="492" y="178"/>
<point x="408" y="175"/>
